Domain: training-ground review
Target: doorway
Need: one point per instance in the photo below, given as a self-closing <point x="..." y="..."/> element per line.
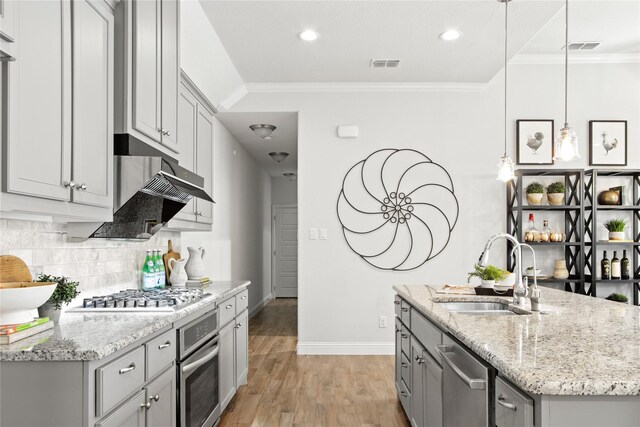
<point x="285" y="251"/>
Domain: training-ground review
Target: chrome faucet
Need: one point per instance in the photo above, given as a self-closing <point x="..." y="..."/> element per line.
<point x="519" y="289"/>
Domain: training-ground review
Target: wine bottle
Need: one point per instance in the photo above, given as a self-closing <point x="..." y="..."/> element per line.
<point x="615" y="266"/>
<point x="625" y="266"/>
<point x="605" y="268"/>
<point x="148" y="272"/>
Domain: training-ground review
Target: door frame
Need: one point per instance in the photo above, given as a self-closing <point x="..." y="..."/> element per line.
<point x="273" y="245"/>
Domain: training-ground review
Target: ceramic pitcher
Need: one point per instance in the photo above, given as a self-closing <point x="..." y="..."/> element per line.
<point x="178" y="276"/>
<point x="195" y="266"/>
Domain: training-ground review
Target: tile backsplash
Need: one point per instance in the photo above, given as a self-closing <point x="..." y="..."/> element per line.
<point x="101" y="266"/>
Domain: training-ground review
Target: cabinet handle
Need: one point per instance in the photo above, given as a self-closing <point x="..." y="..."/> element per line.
<point x="397" y="330"/>
<point x="396" y="302"/>
<point x="146" y="405"/>
<point x="81" y="187"/>
<point x="228" y="306"/>
<point x="404" y="365"/>
<point x="243" y="297"/>
<point x="472" y="383"/>
<point x="404" y="335"/>
<point x="403" y="393"/>
<point x="420" y="360"/>
<point x="503" y="402"/>
<point x="405" y="309"/>
<point x="156" y="397"/>
<point x="198" y="213"/>
<point x="162" y="130"/>
<point x="165" y="345"/>
<point x="70" y="184"/>
<point x="130" y="368"/>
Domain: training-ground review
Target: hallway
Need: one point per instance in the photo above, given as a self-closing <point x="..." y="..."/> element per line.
<point x="285" y="389"/>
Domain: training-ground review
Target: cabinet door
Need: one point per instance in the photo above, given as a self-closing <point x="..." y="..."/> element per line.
<point x="433" y="392"/>
<point x="242" y="348"/>
<point x="146" y="68"/>
<point x="161" y="393"/>
<point x="187" y="122"/>
<point x="418" y="374"/>
<point x="169" y="67"/>
<point x="204" y="162"/>
<point x="398" y="354"/>
<point x="39" y="115"/>
<point x="92" y="140"/>
<point x="226" y="362"/>
<point x="7" y="20"/>
<point x="129" y="415"/>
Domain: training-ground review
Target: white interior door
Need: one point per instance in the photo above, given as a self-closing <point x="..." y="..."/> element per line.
<point x="285" y="251"/>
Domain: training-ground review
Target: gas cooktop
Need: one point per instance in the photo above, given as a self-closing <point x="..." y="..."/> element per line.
<point x="157" y="300"/>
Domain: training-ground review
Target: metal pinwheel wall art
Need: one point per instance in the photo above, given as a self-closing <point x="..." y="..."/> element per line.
<point x="397" y="209"/>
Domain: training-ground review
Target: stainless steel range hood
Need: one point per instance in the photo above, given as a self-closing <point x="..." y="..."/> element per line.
<point x="149" y="189"/>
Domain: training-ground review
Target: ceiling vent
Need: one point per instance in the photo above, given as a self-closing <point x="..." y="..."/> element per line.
<point x="582" y="45"/>
<point x="384" y="63"/>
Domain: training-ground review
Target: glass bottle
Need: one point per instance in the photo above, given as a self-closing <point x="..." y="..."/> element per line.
<point x="531" y="234"/>
<point x="615" y="266"/>
<point x="605" y="268"/>
<point x="148" y="272"/>
<point x="160" y="269"/>
<point x="545" y="234"/>
<point x="625" y="266"/>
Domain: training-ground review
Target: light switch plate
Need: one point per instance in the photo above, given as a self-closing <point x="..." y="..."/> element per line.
<point x="323" y="234"/>
<point x="313" y="233"/>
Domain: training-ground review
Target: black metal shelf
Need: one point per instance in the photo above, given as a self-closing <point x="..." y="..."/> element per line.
<point x="553" y="244"/>
<point x="612" y="243"/>
<point x="613" y="281"/>
<point x="613" y="208"/>
<point x="546" y="208"/>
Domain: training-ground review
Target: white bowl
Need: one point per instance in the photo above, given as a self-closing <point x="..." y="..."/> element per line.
<point x="17" y="304"/>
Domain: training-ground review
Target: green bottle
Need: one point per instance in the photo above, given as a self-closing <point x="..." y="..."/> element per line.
<point x="149" y="280"/>
<point x="160" y="269"/>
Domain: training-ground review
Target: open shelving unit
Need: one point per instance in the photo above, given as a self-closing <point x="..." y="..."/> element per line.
<point x="593" y="241"/>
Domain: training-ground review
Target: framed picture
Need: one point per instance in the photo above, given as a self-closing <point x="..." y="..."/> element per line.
<point x="608" y="143"/>
<point x="535" y="141"/>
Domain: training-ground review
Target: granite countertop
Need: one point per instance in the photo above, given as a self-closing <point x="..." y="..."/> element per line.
<point x="92" y="336"/>
<point x="577" y="345"/>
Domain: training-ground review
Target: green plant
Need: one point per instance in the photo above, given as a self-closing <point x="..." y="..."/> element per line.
<point x="490" y="272"/>
<point x="555" y="187"/>
<point x="616" y="225"/>
<point x="65" y="291"/>
<point x="535" y="188"/>
<point x="618" y="298"/>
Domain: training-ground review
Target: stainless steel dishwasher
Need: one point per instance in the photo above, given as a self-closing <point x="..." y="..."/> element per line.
<point x="467" y="387"/>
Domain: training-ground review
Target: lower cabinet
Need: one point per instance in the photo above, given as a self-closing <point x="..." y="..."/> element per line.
<point x="226" y="360"/>
<point x="242" y="348"/>
<point x="132" y="414"/>
<point x="433" y="392"/>
<point x="513" y="408"/>
<point x="161" y="400"/>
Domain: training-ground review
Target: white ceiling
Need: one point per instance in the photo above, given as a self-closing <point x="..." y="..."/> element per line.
<point x="261" y="38"/>
<point x="284" y="138"/>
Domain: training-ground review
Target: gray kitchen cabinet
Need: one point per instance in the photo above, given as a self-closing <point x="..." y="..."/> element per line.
<point x="132" y="414"/>
<point x="161" y="399"/>
<point x="147" y="66"/>
<point x="242" y="348"/>
<point x="433" y="392"/>
<point x="513" y="408"/>
<point x="226" y="360"/>
<point x="204" y="162"/>
<point x="398" y="354"/>
<point x="418" y="384"/>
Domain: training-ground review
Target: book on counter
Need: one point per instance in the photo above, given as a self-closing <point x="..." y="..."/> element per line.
<point x="13" y="333"/>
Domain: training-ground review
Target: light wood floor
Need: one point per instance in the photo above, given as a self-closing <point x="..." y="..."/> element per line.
<point x="285" y="389"/>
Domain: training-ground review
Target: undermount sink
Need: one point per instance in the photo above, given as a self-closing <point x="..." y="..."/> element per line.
<point x="470" y="307"/>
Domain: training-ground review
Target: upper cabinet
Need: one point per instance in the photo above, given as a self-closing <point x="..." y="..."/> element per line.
<point x="7" y="28"/>
<point x="58" y="106"/>
<point x="147" y="63"/>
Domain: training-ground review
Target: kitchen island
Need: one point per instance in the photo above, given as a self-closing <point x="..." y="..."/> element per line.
<point x="577" y="359"/>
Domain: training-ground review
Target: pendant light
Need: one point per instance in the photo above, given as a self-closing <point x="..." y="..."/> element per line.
<point x="505" y="165"/>
<point x="566" y="143"/>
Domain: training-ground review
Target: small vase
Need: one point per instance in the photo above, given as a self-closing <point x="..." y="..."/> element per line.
<point x="616" y="235"/>
<point x="48" y="310"/>
<point x="609" y="197"/>
<point x="560" y="271"/>
<point x="195" y="265"/>
<point x="555" y="198"/>
<point x="178" y="276"/>
<point x="487" y="283"/>
<point x="534" y="199"/>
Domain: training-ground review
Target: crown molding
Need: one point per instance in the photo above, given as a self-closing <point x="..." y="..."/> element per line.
<point x="234" y="97"/>
<point x="576" y="58"/>
<point x="315" y="87"/>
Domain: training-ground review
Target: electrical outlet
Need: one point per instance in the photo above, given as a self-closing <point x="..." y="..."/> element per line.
<point x="382" y="322"/>
<point x="323" y="234"/>
<point x="313" y="234"/>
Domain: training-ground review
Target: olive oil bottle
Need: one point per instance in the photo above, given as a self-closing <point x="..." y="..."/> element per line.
<point x="615" y="267"/>
<point x="605" y="268"/>
<point x="625" y="266"/>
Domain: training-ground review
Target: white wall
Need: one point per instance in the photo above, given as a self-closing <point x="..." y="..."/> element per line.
<point x="284" y="191"/>
<point x="203" y="57"/>
<point x="340" y="296"/>
<point x="238" y="245"/>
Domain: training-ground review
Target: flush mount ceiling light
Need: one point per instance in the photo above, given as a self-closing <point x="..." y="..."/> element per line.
<point x="450" y="35"/>
<point x="566" y="144"/>
<point x="278" y="156"/>
<point x="264" y="131"/>
<point x="308" y="35"/>
<point x="290" y="175"/>
<point x="505" y="165"/>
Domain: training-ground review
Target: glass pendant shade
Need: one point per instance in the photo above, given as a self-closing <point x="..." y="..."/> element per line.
<point x="264" y="131"/>
<point x="505" y="169"/>
<point x="566" y="144"/>
<point x="278" y="156"/>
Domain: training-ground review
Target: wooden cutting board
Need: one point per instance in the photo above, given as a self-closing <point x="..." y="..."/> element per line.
<point x="13" y="269"/>
<point x="171" y="254"/>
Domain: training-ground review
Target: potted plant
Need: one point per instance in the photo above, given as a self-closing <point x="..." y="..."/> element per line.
<point x="555" y="193"/>
<point x="616" y="228"/>
<point x="65" y="291"/>
<point x="534" y="191"/>
<point x="488" y="275"/>
<point x="618" y="298"/>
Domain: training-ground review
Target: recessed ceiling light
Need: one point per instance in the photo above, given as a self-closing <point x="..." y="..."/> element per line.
<point x="450" y="35"/>
<point x="308" y="35"/>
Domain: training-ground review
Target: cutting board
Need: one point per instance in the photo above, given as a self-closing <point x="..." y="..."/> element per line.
<point x="171" y="254"/>
<point x="13" y="269"/>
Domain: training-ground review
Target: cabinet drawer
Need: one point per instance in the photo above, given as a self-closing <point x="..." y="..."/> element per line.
<point x="161" y="351"/>
<point x="396" y="306"/>
<point x="405" y="338"/>
<point x="405" y="366"/>
<point x="242" y="301"/>
<point x="227" y="311"/>
<point x="405" y="312"/>
<point x="429" y="335"/>
<point x="513" y="408"/>
<point x="119" y="378"/>
<point x="405" y="398"/>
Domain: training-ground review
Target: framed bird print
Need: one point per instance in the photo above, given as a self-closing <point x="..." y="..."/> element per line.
<point x="535" y="141"/>
<point x="608" y="143"/>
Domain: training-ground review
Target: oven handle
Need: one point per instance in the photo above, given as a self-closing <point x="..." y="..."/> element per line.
<point x="187" y="369"/>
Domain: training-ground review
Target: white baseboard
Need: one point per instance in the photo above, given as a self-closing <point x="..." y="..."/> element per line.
<point x="346" y="348"/>
<point x="259" y="306"/>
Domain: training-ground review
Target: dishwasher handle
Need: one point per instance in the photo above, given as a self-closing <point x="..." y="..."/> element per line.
<point x="472" y="383"/>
